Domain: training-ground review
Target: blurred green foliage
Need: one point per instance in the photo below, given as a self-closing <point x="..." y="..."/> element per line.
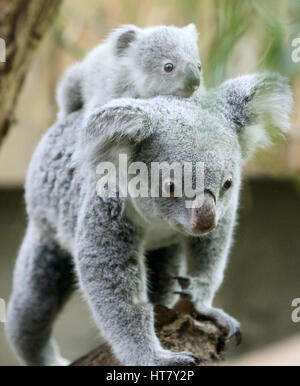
<point x="270" y="25"/>
<point x="274" y="23"/>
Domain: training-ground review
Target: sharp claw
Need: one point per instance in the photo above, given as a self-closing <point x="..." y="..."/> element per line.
<point x="198" y="359"/>
<point x="183" y="295"/>
<point x="184" y="282"/>
<point x="238" y="337"/>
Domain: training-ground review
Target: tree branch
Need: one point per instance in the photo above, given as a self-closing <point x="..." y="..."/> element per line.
<point x="23" y="23"/>
<point x="179" y="329"/>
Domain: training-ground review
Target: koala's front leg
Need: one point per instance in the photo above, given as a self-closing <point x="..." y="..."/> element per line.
<point x="206" y="256"/>
<point x="112" y="276"/>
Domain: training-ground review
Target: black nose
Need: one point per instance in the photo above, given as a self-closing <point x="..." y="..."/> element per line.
<point x="192" y="77"/>
<point x="203" y="219"/>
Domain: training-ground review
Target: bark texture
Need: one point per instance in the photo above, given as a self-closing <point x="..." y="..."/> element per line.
<point x="23" y="23"/>
<point x="179" y="329"/>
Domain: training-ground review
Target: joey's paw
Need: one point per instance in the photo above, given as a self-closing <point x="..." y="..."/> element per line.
<point x="170" y="358"/>
<point x="224" y="320"/>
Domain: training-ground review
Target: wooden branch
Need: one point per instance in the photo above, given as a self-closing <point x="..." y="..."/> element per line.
<point x="23" y="23"/>
<point x="179" y="329"/>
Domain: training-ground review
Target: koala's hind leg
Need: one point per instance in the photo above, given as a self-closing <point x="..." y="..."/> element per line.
<point x="164" y="265"/>
<point x="43" y="280"/>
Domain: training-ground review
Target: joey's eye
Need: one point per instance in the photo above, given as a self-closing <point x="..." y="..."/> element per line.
<point x="199" y="66"/>
<point x="169" y="188"/>
<point x="168" y="67"/>
<point x="227" y="184"/>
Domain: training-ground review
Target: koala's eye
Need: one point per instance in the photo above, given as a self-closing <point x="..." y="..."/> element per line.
<point x="227" y="184"/>
<point x="169" y="188"/>
<point x="199" y="66"/>
<point x="168" y="67"/>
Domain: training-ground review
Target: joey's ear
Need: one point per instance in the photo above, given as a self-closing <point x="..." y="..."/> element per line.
<point x="192" y="29"/>
<point x="113" y="127"/>
<point x="254" y="103"/>
<point x="123" y="37"/>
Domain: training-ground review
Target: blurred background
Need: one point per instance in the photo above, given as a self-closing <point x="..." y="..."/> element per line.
<point x="236" y="37"/>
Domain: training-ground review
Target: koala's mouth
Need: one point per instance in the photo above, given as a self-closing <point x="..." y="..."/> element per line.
<point x="189" y="231"/>
<point x="184" y="93"/>
<point x="197" y="234"/>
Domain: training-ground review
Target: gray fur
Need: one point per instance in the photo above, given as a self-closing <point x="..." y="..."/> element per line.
<point x="130" y="64"/>
<point x="112" y="243"/>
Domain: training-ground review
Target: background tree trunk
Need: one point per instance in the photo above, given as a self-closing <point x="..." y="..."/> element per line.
<point x="23" y="23"/>
<point x="179" y="329"/>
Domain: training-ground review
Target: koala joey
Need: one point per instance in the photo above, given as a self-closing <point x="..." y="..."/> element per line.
<point x="129" y="253"/>
<point x="137" y="63"/>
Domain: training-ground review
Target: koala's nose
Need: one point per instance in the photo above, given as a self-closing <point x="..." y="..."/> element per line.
<point x="203" y="219"/>
<point x="192" y="78"/>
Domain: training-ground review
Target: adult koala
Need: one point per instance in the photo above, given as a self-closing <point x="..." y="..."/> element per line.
<point x="73" y="232"/>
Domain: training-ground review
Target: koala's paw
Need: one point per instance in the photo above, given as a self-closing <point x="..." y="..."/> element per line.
<point x="216" y="314"/>
<point x="224" y="320"/>
<point x="170" y="358"/>
<point x="186" y="292"/>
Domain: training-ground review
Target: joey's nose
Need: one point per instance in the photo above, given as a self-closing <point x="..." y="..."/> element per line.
<point x="203" y="218"/>
<point x="192" y="78"/>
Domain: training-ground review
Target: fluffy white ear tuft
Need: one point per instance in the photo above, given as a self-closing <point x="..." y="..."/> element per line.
<point x="254" y="137"/>
<point x="273" y="101"/>
<point x="192" y="29"/>
<point x="255" y="103"/>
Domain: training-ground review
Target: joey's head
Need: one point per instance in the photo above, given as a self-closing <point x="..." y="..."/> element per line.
<point x="185" y="156"/>
<point x="160" y="60"/>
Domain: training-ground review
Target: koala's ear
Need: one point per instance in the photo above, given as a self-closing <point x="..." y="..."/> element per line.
<point x="192" y="30"/>
<point x="116" y="126"/>
<point x="254" y="103"/>
<point x="123" y="37"/>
